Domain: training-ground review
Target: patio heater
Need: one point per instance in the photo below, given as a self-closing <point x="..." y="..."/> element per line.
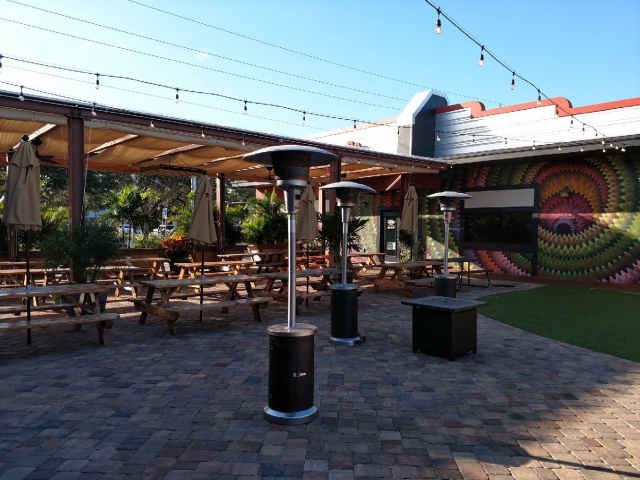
<point x="291" y="355"/>
<point x="344" y="296"/>
<point x="445" y="284"/>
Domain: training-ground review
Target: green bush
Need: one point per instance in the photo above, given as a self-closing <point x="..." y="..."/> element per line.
<point x="150" y="241"/>
<point x="266" y="222"/>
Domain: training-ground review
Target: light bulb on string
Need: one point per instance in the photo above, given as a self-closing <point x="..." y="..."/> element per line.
<point x="473" y="139"/>
<point x="243" y="142"/>
<point x="617" y="147"/>
<point x="559" y="147"/>
<point x="581" y="148"/>
<point x="202" y="132"/>
<point x="604" y="150"/>
<point x="151" y="124"/>
<point x="623" y="149"/>
<point x="610" y="144"/>
<point x="481" y="61"/>
<point x="437" y="137"/>
<point x="571" y="124"/>
<point x="93" y="110"/>
<point x="583" y="129"/>
<point x="539" y="102"/>
<point x="513" y="81"/>
<point x="304" y="118"/>
<point x="603" y="141"/>
<point x="534" y="145"/>
<point x="505" y="142"/>
<point x="354" y="124"/>
<point x="97" y="81"/>
<point x="177" y="96"/>
<point x="438" y="24"/>
<point x="21" y="96"/>
<point x="245" y="108"/>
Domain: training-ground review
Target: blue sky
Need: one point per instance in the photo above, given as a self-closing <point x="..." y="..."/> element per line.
<point x="587" y="51"/>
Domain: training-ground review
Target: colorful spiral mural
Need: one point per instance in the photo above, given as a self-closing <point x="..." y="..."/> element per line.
<point x="589" y="218"/>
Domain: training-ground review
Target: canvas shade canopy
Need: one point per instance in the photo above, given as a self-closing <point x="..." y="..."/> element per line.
<point x="22" y="194"/>
<point x="409" y="218"/>
<point x="307" y="222"/>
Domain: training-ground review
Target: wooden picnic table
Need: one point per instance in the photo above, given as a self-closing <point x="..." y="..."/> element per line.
<point x="192" y="269"/>
<point x="10" y="265"/>
<point x="70" y="292"/>
<point x="241" y="255"/>
<point x="403" y="271"/>
<point x="359" y="266"/>
<point x="119" y="274"/>
<point x="18" y="276"/>
<point x="281" y="294"/>
<point x="168" y="288"/>
<point x="154" y="266"/>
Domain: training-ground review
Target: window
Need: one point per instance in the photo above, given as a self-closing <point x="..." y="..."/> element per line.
<point x="498" y="227"/>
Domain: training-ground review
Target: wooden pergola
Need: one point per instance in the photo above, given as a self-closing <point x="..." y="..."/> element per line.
<point x="82" y="136"/>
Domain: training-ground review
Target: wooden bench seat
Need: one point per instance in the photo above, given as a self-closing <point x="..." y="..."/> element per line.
<point x="99" y="319"/>
<point x="17" y="309"/>
<point x="210" y="306"/>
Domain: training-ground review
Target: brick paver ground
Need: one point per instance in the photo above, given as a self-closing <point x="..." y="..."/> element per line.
<point x="149" y="405"/>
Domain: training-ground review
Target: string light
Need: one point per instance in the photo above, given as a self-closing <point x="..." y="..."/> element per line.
<point x="177" y="96"/>
<point x="245" y="107"/>
<point x="505" y="142"/>
<point x="513" y="81"/>
<point x="603" y="141"/>
<point x="97" y="81"/>
<point x="623" y="149"/>
<point x="539" y="102"/>
<point x="21" y="96"/>
<point x="481" y="61"/>
<point x="437" y="137"/>
<point x="354" y="124"/>
<point x="438" y="24"/>
<point x="559" y="147"/>
<point x="473" y="139"/>
<point x="93" y="110"/>
<point x="583" y="129"/>
<point x="581" y="148"/>
<point x="151" y="124"/>
<point x="304" y="118"/>
<point x="610" y="143"/>
<point x="202" y="132"/>
<point x="604" y="150"/>
<point x="571" y="124"/>
<point x="534" y="145"/>
<point x="243" y="143"/>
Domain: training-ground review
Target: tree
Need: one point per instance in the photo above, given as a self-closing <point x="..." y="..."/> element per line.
<point x="266" y="221"/>
<point x="130" y="206"/>
<point x="330" y="233"/>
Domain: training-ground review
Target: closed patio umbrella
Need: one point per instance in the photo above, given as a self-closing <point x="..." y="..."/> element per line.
<point x="22" y="201"/>
<point x="307" y="222"/>
<point x="409" y="218"/>
<point x="202" y="229"/>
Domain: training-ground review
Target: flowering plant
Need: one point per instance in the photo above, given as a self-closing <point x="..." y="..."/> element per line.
<point x="177" y="248"/>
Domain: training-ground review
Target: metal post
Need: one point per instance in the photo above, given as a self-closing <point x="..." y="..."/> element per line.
<point x="290" y="194"/>
<point x="221" y="194"/>
<point x="75" y="127"/>
<point x="346" y="211"/>
<point x="447" y="219"/>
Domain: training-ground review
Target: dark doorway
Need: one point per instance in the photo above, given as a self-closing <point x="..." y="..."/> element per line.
<point x="389" y="225"/>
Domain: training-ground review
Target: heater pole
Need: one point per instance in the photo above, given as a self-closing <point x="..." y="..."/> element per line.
<point x="447" y="219"/>
<point x="290" y="193"/>
<point x="345" y="237"/>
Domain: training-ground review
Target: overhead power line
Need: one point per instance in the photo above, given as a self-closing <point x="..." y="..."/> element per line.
<point x="208" y="53"/>
<point x="203" y="67"/>
<point x="313" y="57"/>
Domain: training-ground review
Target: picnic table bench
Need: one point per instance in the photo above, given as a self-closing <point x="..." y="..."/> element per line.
<point x="171" y="312"/>
<point x="73" y="307"/>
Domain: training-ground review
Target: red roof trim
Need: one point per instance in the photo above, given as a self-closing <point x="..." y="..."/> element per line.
<point x="478" y="109"/>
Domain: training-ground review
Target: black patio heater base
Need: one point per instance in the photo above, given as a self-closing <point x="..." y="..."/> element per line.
<point x="291" y="375"/>
<point x="344" y="315"/>
<point x="445" y="285"/>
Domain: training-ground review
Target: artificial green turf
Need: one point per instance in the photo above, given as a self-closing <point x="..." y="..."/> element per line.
<point x="600" y="320"/>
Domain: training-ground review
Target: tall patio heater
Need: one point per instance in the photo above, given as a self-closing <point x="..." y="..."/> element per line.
<point x="344" y="296"/>
<point x="291" y="355"/>
<point x="445" y="284"/>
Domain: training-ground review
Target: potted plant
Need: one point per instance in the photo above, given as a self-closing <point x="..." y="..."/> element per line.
<point x="330" y="233"/>
<point x="177" y="249"/>
<point x="85" y="249"/>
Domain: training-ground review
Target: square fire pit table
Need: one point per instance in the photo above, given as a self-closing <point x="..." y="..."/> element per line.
<point x="445" y="326"/>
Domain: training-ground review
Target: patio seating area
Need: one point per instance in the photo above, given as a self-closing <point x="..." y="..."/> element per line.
<point x="151" y="405"/>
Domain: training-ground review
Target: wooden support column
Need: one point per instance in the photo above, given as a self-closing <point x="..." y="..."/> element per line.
<point x="75" y="134"/>
<point x="404" y="186"/>
<point x="221" y="207"/>
<point x="334" y="176"/>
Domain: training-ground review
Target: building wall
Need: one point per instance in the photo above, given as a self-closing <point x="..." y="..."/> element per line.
<point x="593" y="234"/>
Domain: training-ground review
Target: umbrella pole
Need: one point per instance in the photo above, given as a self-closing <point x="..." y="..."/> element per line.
<point x="307" y="300"/>
<point x="201" y="278"/>
<point x="28" y="287"/>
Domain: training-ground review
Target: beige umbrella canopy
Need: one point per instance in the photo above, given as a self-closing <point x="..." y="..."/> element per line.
<point x="22" y="201"/>
<point x="202" y="229"/>
<point x="22" y="194"/>
<point x="409" y="218"/>
<point x="307" y="222"/>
